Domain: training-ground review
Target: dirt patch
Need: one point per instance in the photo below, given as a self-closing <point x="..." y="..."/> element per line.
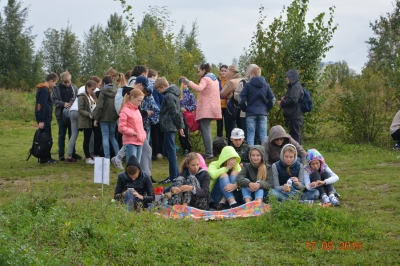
<point x="382" y="187"/>
<point x="389" y="164"/>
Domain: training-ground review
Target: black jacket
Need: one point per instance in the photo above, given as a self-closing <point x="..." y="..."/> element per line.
<point x="290" y="104"/>
<point x="142" y="184"/>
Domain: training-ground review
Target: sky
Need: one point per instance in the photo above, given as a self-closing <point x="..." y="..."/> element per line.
<point x="225" y="28"/>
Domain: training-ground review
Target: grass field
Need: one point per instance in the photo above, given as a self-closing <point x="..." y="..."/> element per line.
<point x="54" y="215"/>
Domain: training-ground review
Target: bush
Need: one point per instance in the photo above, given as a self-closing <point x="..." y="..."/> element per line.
<point x="365" y="106"/>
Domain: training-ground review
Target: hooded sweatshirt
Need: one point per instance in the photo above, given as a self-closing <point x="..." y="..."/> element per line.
<point x="256" y="97"/>
<point x="273" y="151"/>
<point x="290" y="103"/>
<point x="279" y="174"/>
<point x="44" y="107"/>
<point x="171" y="118"/>
<point x="312" y="155"/>
<point x="105" y="107"/>
<point x="142" y="184"/>
<point x="216" y="168"/>
<point x="249" y="172"/>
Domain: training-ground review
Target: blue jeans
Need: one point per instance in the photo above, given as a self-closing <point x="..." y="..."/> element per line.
<point x="133" y="150"/>
<point x="131" y="201"/>
<point x="284" y="196"/>
<point x="62" y="131"/>
<point x="311" y="194"/>
<point x="108" y="134"/>
<point x="223" y="181"/>
<point x="258" y="194"/>
<point x="254" y="122"/>
<point x="170" y="151"/>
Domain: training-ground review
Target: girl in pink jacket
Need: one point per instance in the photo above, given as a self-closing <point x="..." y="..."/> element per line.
<point x="131" y="124"/>
<point x="208" y="104"/>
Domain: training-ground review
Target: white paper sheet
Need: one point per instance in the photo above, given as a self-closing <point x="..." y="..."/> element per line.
<point x="102" y="170"/>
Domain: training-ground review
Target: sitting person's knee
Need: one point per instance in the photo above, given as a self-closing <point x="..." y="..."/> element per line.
<point x="224" y="175"/>
<point x="235" y="173"/>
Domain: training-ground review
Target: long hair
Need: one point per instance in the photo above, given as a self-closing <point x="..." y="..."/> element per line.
<point x="133" y="93"/>
<point x="190" y="157"/>
<point x="262" y="169"/>
<point x="292" y="150"/>
<point x="121" y="81"/>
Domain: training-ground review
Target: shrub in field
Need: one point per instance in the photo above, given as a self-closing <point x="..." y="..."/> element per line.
<point x="17" y="105"/>
<point x="365" y="106"/>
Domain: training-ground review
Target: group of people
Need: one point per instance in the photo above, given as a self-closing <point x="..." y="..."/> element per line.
<point x="129" y="111"/>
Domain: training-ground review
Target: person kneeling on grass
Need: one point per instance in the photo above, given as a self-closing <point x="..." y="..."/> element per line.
<point x="318" y="179"/>
<point x="191" y="186"/>
<point x="287" y="174"/>
<point x="134" y="186"/>
<point x="253" y="176"/>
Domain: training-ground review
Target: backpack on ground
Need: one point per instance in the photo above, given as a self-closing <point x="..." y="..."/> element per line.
<point x="306" y="103"/>
<point x="41" y="145"/>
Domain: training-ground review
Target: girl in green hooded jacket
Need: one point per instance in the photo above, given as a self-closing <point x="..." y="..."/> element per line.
<point x="223" y="175"/>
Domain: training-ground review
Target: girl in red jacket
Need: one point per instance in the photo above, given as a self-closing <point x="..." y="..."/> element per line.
<point x="131" y="124"/>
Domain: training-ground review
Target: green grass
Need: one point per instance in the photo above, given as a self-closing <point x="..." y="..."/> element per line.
<point x="54" y="215"/>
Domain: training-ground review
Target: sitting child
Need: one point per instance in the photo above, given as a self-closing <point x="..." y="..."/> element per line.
<point x="134" y="186"/>
<point x="240" y="145"/>
<point x="223" y="175"/>
<point x="253" y="176"/>
<point x="191" y="187"/>
<point x="287" y="174"/>
<point x="318" y="178"/>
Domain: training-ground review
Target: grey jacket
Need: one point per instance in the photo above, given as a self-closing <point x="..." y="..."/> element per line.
<point x="294" y="94"/>
<point x="58" y="102"/>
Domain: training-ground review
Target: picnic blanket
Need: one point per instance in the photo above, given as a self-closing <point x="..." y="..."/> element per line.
<point x="250" y="209"/>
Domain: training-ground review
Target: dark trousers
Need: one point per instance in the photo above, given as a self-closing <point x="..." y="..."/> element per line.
<point x="396" y="136"/>
<point x="46" y="128"/>
<point x="98" y="140"/>
<point x="157" y="139"/>
<point x="295" y="129"/>
<point x="229" y="126"/>
<point x="185" y="141"/>
<point x="62" y="131"/>
<point x="325" y="189"/>
<point x="87" y="133"/>
<point x="220" y="123"/>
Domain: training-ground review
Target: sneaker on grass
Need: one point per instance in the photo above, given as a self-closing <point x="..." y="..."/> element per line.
<point x="89" y="161"/>
<point x="117" y="163"/>
<point x="325" y="199"/>
<point x="70" y="160"/>
<point x="333" y="200"/>
<point x="396" y="147"/>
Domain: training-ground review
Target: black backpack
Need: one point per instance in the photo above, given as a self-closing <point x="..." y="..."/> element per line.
<point x="233" y="106"/>
<point x="306" y="103"/>
<point x="41" y="145"/>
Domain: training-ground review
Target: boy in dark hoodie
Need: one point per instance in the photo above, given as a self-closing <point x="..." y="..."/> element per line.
<point x="289" y="103"/>
<point x="134" y="186"/>
<point x="257" y="99"/>
<point x="44" y="109"/>
<point x="171" y="120"/>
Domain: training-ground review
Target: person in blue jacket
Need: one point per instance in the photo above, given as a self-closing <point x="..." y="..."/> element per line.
<point x="256" y="99"/>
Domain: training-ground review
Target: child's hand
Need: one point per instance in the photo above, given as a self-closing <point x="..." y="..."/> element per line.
<point x="150" y="113"/>
<point x="185" y="188"/>
<point x="286" y="188"/>
<point x="254" y="186"/>
<point x="231" y="163"/>
<point x="230" y="187"/>
<point x="134" y="134"/>
<point x="175" y="190"/>
<point x="313" y="185"/>
<point x="295" y="180"/>
<point x="136" y="194"/>
<point x="181" y="132"/>
<point x="321" y="183"/>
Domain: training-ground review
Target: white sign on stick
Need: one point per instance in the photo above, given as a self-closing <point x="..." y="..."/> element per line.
<point x="102" y="170"/>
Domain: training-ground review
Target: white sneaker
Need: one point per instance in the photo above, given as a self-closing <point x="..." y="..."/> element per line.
<point x="333" y="200"/>
<point x="325" y="199"/>
<point x="159" y="156"/>
<point x="89" y="161"/>
<point x="116" y="163"/>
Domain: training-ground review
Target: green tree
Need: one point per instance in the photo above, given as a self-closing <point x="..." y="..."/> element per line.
<point x="19" y="65"/>
<point x="62" y="51"/>
<point x="292" y="43"/>
<point x="119" y="52"/>
<point x="94" y="52"/>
